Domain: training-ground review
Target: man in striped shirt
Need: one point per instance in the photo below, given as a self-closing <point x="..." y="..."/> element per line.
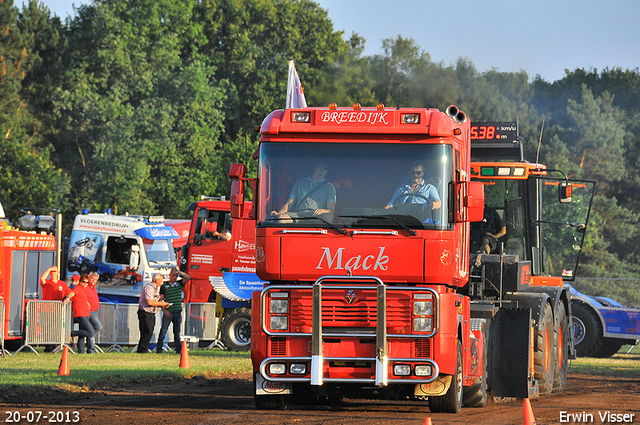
<point x="172" y="292"/>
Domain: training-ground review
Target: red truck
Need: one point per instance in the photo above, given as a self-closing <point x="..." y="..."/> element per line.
<point x="28" y="247"/>
<point x="219" y="255"/>
<point x="372" y="290"/>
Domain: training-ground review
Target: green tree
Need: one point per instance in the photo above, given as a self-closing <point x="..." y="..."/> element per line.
<point x="138" y="110"/>
<point x="27" y="176"/>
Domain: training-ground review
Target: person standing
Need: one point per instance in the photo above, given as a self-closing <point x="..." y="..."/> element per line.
<point x="172" y="293"/>
<point x="149" y="303"/>
<point x="81" y="312"/>
<point x="94" y="302"/>
<point x="53" y="289"/>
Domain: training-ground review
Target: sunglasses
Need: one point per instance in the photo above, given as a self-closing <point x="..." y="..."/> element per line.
<point x="84" y="281"/>
<point x="417" y="173"/>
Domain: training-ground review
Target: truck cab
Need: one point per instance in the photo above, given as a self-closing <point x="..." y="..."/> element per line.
<point x="219" y="255"/>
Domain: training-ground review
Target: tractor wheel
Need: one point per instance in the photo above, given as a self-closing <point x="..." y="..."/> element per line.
<point x="587" y="330"/>
<point x="544" y="352"/>
<point x="562" y="351"/>
<point x="235" y="329"/>
<point x="451" y="402"/>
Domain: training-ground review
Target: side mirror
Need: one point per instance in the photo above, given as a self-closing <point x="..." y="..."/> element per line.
<point x="565" y="191"/>
<point x="236" y="173"/>
<point x="474" y="201"/>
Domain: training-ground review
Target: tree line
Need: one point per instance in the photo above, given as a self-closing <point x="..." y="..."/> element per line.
<point x="141" y="105"/>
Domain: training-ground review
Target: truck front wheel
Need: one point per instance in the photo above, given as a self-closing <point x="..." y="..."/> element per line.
<point x="235" y="329"/>
<point x="451" y="402"/>
<point x="587" y="330"/>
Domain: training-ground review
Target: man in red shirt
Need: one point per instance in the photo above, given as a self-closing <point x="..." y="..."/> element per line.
<point x="81" y="312"/>
<point x="53" y="289"/>
<point x="94" y="302"/>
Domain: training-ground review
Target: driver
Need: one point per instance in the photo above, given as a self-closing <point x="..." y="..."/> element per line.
<point x="312" y="196"/>
<point x="416" y="191"/>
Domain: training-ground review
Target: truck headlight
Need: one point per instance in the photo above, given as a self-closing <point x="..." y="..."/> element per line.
<point x="279" y="306"/>
<point x="423" y="370"/>
<point x="402" y="370"/>
<point x="422" y="308"/>
<point x="298" y="369"/>
<point x="279" y="323"/>
<point x="422" y="324"/>
<point x="277" y="368"/>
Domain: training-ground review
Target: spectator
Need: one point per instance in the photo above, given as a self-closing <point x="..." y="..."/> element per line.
<point x="94" y="302"/>
<point x="148" y="305"/>
<point x="172" y="293"/>
<point x="53" y="289"/>
<point x="81" y="312"/>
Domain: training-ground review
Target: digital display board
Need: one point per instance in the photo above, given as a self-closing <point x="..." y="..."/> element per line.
<point x="494" y="131"/>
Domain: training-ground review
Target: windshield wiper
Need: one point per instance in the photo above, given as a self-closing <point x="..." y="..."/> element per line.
<point x="328" y="223"/>
<point x="386" y="217"/>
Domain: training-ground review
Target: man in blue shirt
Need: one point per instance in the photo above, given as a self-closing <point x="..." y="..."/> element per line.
<point x="313" y="196"/>
<point x="416" y="191"/>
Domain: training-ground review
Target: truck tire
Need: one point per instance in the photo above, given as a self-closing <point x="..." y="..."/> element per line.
<point x="269" y="402"/>
<point x="610" y="346"/>
<point x="562" y="351"/>
<point x="235" y="329"/>
<point x="451" y="402"/>
<point x="545" y="352"/>
<point x="476" y="394"/>
<point x="587" y="330"/>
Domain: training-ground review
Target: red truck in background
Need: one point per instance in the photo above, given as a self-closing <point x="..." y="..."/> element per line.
<point x="28" y="247"/>
<point x="381" y="297"/>
<point x="221" y="270"/>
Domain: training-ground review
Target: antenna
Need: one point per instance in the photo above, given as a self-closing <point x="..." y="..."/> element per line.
<point x="539" y="141"/>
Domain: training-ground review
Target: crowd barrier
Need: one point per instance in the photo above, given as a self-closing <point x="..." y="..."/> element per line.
<point x="51" y="323"/>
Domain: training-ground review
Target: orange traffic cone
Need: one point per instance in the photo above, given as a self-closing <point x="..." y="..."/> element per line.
<point x="528" y="419"/>
<point x="427" y="421"/>
<point x="184" y="356"/>
<point x="63" y="370"/>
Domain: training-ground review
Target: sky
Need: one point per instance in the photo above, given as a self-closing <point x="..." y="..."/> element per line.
<point x="542" y="37"/>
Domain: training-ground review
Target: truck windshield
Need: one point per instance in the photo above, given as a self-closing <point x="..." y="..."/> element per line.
<point x="355" y="185"/>
<point x="159" y="252"/>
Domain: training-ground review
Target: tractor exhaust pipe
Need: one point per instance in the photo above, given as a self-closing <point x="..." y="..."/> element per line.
<point x="456" y="114"/>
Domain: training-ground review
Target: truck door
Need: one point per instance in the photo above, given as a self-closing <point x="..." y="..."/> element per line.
<point x="209" y="255"/>
<point x="558" y="228"/>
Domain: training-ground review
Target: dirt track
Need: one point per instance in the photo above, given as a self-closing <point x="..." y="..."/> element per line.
<point x="228" y="400"/>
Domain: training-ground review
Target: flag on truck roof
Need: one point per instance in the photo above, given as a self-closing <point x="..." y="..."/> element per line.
<point x="295" y="95"/>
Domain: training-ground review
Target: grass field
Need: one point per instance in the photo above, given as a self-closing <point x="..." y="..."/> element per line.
<point x="116" y="369"/>
<point x="27" y="369"/>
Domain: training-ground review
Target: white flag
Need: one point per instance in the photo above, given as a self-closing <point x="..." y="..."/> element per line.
<point x="295" y="95"/>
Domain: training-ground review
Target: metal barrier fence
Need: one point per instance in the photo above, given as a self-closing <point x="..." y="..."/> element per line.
<point x="46" y="323"/>
<point x="51" y="323"/>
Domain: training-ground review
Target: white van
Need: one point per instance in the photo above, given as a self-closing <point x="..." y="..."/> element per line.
<point x="124" y="250"/>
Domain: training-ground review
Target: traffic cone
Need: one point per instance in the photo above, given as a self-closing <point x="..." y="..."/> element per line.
<point x="184" y="356"/>
<point x="63" y="370"/>
<point x="528" y="419"/>
<point x="427" y="421"/>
